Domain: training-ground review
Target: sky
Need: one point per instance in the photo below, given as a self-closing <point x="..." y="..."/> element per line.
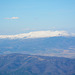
<point x="20" y="16"/>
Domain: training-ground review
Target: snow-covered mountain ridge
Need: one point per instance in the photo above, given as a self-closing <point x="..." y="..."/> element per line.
<point x="38" y="34"/>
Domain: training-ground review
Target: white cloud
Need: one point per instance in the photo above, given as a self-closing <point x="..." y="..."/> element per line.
<point x="13" y="18"/>
<point x="37" y="34"/>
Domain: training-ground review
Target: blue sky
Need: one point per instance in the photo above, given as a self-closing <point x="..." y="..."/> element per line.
<point x="32" y="15"/>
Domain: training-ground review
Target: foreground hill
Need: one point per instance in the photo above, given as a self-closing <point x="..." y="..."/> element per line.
<point x="23" y="64"/>
<point x="50" y="46"/>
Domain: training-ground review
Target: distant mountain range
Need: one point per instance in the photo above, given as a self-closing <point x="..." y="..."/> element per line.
<point x="23" y="64"/>
<point x="49" y="46"/>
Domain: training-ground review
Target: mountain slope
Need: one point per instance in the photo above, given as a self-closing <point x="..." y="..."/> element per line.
<point x="23" y="64"/>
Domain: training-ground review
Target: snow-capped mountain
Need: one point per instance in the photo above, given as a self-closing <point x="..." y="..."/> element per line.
<point x="38" y="34"/>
